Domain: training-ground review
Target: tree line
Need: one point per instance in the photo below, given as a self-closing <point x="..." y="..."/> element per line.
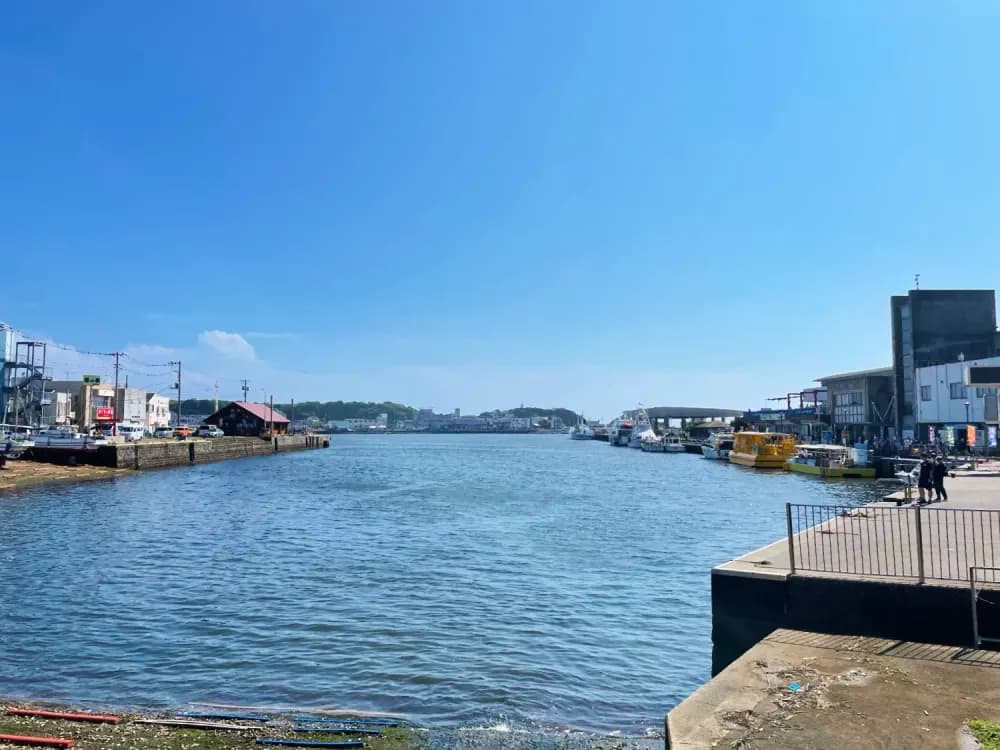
<point x="327" y="411"/>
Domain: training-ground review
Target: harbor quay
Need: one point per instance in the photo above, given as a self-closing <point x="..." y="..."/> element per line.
<point x="850" y="596"/>
<point x="46" y="465"/>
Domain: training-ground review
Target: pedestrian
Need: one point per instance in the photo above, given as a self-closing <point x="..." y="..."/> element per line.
<point x="925" y="481"/>
<point x="938" y="474"/>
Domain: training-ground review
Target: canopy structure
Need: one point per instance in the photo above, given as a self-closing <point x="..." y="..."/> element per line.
<point x="691" y="412"/>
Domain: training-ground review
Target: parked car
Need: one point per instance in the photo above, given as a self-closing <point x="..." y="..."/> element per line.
<point x="209" y="431"/>
<point x="163" y="432"/>
<point x="182" y="432"/>
<point x="131" y="432"/>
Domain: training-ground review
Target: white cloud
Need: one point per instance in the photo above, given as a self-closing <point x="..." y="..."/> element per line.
<point x="228" y="344"/>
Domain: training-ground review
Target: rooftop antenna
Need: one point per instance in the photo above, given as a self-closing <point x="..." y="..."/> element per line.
<point x="916" y="281"/>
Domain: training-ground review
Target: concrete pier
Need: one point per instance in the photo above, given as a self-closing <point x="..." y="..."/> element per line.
<point x="158" y="454"/>
<point x="878" y="571"/>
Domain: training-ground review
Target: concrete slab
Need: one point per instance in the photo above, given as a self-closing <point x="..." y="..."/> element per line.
<point x="851" y="692"/>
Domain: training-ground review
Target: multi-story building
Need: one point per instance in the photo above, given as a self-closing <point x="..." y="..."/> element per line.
<point x="946" y="404"/>
<point x="157" y="411"/>
<point x="6" y="355"/>
<point x="860" y="404"/>
<point x="932" y="326"/>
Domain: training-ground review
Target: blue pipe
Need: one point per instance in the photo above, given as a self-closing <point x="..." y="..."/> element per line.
<point x="240" y="717"/>
<point x="339" y="730"/>
<point x="332" y="720"/>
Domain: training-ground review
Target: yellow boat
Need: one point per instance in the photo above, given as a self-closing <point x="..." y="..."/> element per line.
<point x="832" y="461"/>
<point x="762" y="450"/>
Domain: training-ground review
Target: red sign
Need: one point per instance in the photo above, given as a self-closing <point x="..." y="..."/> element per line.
<point x="105" y="413"/>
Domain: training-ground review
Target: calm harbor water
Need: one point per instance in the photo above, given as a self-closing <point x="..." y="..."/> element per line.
<point x="458" y="580"/>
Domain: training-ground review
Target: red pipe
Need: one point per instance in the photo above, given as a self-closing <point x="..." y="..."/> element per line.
<point x="96" y="718"/>
<point x="21" y="739"/>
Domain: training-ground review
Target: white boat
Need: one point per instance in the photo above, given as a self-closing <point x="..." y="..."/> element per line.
<point x="582" y="431"/>
<point x="718" y="446"/>
<point x="641" y="429"/>
<point x="651" y="443"/>
<point x="66" y="437"/>
<point x="620" y="432"/>
<point x="672" y="443"/>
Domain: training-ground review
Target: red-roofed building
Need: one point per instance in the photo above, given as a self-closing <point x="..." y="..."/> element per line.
<point x="248" y="418"/>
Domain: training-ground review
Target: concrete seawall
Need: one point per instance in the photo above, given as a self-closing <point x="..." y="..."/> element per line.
<point x="745" y="608"/>
<point x="156" y="454"/>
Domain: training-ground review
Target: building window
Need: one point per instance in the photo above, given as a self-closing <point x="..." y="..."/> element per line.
<point x="957" y="390"/>
<point x="848" y="407"/>
<point x="925" y="393"/>
<point x="983" y="392"/>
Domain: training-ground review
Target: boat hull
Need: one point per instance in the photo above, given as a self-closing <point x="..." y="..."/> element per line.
<point x="833" y="472"/>
<point x="713" y="453"/>
<point x="673" y="448"/>
<point x="757" y="461"/>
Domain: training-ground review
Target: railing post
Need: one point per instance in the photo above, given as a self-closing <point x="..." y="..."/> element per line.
<point x="791" y="538"/>
<point x="975" y="613"/>
<point x="920" y="548"/>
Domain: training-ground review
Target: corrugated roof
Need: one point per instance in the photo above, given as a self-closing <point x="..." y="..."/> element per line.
<point x="262" y="411"/>
<point x="856" y="374"/>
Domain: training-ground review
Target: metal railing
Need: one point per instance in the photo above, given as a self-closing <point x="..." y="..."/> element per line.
<point x="908" y="542"/>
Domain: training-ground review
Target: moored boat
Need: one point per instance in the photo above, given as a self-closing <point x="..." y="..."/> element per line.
<point x="718" y="446"/>
<point x="830" y="461"/>
<point x="620" y="432"/>
<point x="651" y="443"/>
<point x="762" y="450"/>
<point x="641" y="429"/>
<point x="672" y="443"/>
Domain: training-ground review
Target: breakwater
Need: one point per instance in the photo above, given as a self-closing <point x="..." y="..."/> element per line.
<point x="160" y="454"/>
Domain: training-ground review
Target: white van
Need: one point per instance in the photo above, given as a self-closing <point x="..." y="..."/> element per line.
<point x="131" y="432"/>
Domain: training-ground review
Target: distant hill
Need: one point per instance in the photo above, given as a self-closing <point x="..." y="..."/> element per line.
<point x="337" y="410"/>
<point x="567" y="416"/>
<point x="325" y="411"/>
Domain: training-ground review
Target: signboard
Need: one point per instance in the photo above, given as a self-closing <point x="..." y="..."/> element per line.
<point x="949" y="435"/>
<point x="991" y="432"/>
<point x="91" y="379"/>
<point x="970" y="435"/>
<point x="931" y="434"/>
<point x="982" y="376"/>
<point x="105" y="413"/>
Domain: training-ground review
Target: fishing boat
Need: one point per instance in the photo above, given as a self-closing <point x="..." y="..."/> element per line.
<point x="651" y="443"/>
<point x="762" y="450"/>
<point x="672" y="443"/>
<point x="641" y="429"/>
<point x="619" y="432"/>
<point x="831" y="461"/>
<point x="581" y="431"/>
<point x="718" y="446"/>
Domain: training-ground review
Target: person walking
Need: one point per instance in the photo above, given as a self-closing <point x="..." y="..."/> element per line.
<point x="938" y="473"/>
<point x="925" y="479"/>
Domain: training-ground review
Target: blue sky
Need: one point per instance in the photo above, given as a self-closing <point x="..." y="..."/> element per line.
<point x="481" y="204"/>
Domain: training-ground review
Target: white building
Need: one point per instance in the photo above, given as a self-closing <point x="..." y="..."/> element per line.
<point x="157" y="411"/>
<point x="943" y="399"/>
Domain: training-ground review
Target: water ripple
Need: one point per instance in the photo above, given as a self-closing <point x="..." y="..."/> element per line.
<point x="521" y="581"/>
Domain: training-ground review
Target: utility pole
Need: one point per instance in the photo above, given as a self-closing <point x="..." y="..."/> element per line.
<point x="291" y="427"/>
<point x="246" y="388"/>
<point x="177" y="385"/>
<point x="216" y="405"/>
<point x="270" y="429"/>
<point x="114" y="426"/>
